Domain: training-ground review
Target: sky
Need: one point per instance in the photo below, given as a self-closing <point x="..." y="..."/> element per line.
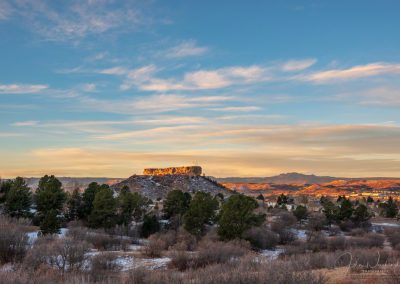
<point x="241" y="88"/>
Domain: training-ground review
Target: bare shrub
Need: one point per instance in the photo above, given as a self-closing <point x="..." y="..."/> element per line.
<point x="99" y="239"/>
<point x="337" y="243"/>
<point x="393" y="235"/>
<point x="357" y="232"/>
<point x="261" y="238"/>
<point x="316" y="221"/>
<point x="13" y="240"/>
<point x="104" y="262"/>
<point x="317" y="242"/>
<point x="185" y="241"/>
<point x="154" y="247"/>
<point x="209" y="253"/>
<point x="63" y="253"/>
<point x="369" y="240"/>
<point x="159" y="242"/>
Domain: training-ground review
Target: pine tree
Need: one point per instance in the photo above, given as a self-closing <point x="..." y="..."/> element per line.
<point x="389" y="207"/>
<point x="331" y="211"/>
<point x="5" y="187"/>
<point x="150" y="225"/>
<point x="88" y="198"/>
<point x="131" y="206"/>
<point x="50" y="223"/>
<point x="300" y="212"/>
<point x="345" y="209"/>
<point x="49" y="198"/>
<point x="361" y="215"/>
<point x="18" y="199"/>
<point x="104" y="209"/>
<point x="176" y="203"/>
<point x="75" y="205"/>
<point x="200" y="212"/>
<point x="237" y="215"/>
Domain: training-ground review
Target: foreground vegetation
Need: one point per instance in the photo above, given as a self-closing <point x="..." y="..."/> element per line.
<point x="102" y="236"/>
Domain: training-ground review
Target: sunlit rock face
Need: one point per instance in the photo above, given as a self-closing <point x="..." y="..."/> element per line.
<point x="190" y="171"/>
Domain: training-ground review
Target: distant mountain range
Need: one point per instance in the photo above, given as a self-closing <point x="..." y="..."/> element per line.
<point x="70" y="183"/>
<point x="293" y="178"/>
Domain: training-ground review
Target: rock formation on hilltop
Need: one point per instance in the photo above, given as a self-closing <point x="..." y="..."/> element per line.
<point x="191" y="171"/>
<point x="157" y="184"/>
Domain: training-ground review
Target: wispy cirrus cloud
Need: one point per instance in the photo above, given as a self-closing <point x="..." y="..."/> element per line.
<point x="266" y="149"/>
<point x="383" y="96"/>
<point x="298" y="65"/>
<point x="186" y="49"/>
<point x="22" y="89"/>
<point x="355" y="72"/>
<point x="145" y="78"/>
<point x="75" y="20"/>
<point x="5" y="10"/>
<point x="152" y="104"/>
<point x="236" y="109"/>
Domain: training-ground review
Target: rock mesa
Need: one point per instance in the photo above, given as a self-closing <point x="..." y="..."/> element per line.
<point x="189" y="171"/>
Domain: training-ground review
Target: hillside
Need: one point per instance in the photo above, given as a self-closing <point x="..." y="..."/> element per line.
<point x="156" y="187"/>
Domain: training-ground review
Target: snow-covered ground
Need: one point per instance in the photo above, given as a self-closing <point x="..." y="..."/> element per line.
<point x="272" y="254"/>
<point x="129" y="262"/>
<point x="32" y="236"/>
<point x="386" y="224"/>
<point x="300" y="234"/>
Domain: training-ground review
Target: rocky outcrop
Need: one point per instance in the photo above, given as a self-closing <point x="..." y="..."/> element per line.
<point x="158" y="186"/>
<point x="189" y="171"/>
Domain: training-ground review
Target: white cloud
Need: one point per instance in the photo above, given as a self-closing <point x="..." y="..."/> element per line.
<point x="26" y="123"/>
<point x="355" y="72"/>
<point x="237" y="109"/>
<point x="118" y="70"/>
<point x="144" y="78"/>
<point x="5" y="10"/>
<point x="22" y="89"/>
<point x="298" y="65"/>
<point x="75" y="20"/>
<point x="386" y="96"/>
<point x="186" y="49"/>
<point x="90" y="87"/>
<point x="152" y="104"/>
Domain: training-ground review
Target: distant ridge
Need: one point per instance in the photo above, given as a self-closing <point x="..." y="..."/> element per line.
<point x="294" y="178"/>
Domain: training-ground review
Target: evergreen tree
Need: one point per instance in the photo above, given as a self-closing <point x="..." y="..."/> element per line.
<point x="75" y="205"/>
<point x="18" y="199"/>
<point x="282" y="200"/>
<point x="345" y="209"/>
<point x="150" y="225"/>
<point x="389" y="207"/>
<point x="5" y="187"/>
<point x="50" y="223"/>
<point x="49" y="198"/>
<point x="201" y="211"/>
<point x="237" y="215"/>
<point x="104" y="208"/>
<point x="300" y="212"/>
<point x="370" y="199"/>
<point x="260" y="197"/>
<point x="131" y="205"/>
<point x="331" y="211"/>
<point x="176" y="203"/>
<point x="88" y="198"/>
<point x="361" y="215"/>
<point x="49" y="195"/>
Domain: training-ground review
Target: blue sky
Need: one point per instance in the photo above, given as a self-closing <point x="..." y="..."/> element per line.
<point x="243" y="88"/>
